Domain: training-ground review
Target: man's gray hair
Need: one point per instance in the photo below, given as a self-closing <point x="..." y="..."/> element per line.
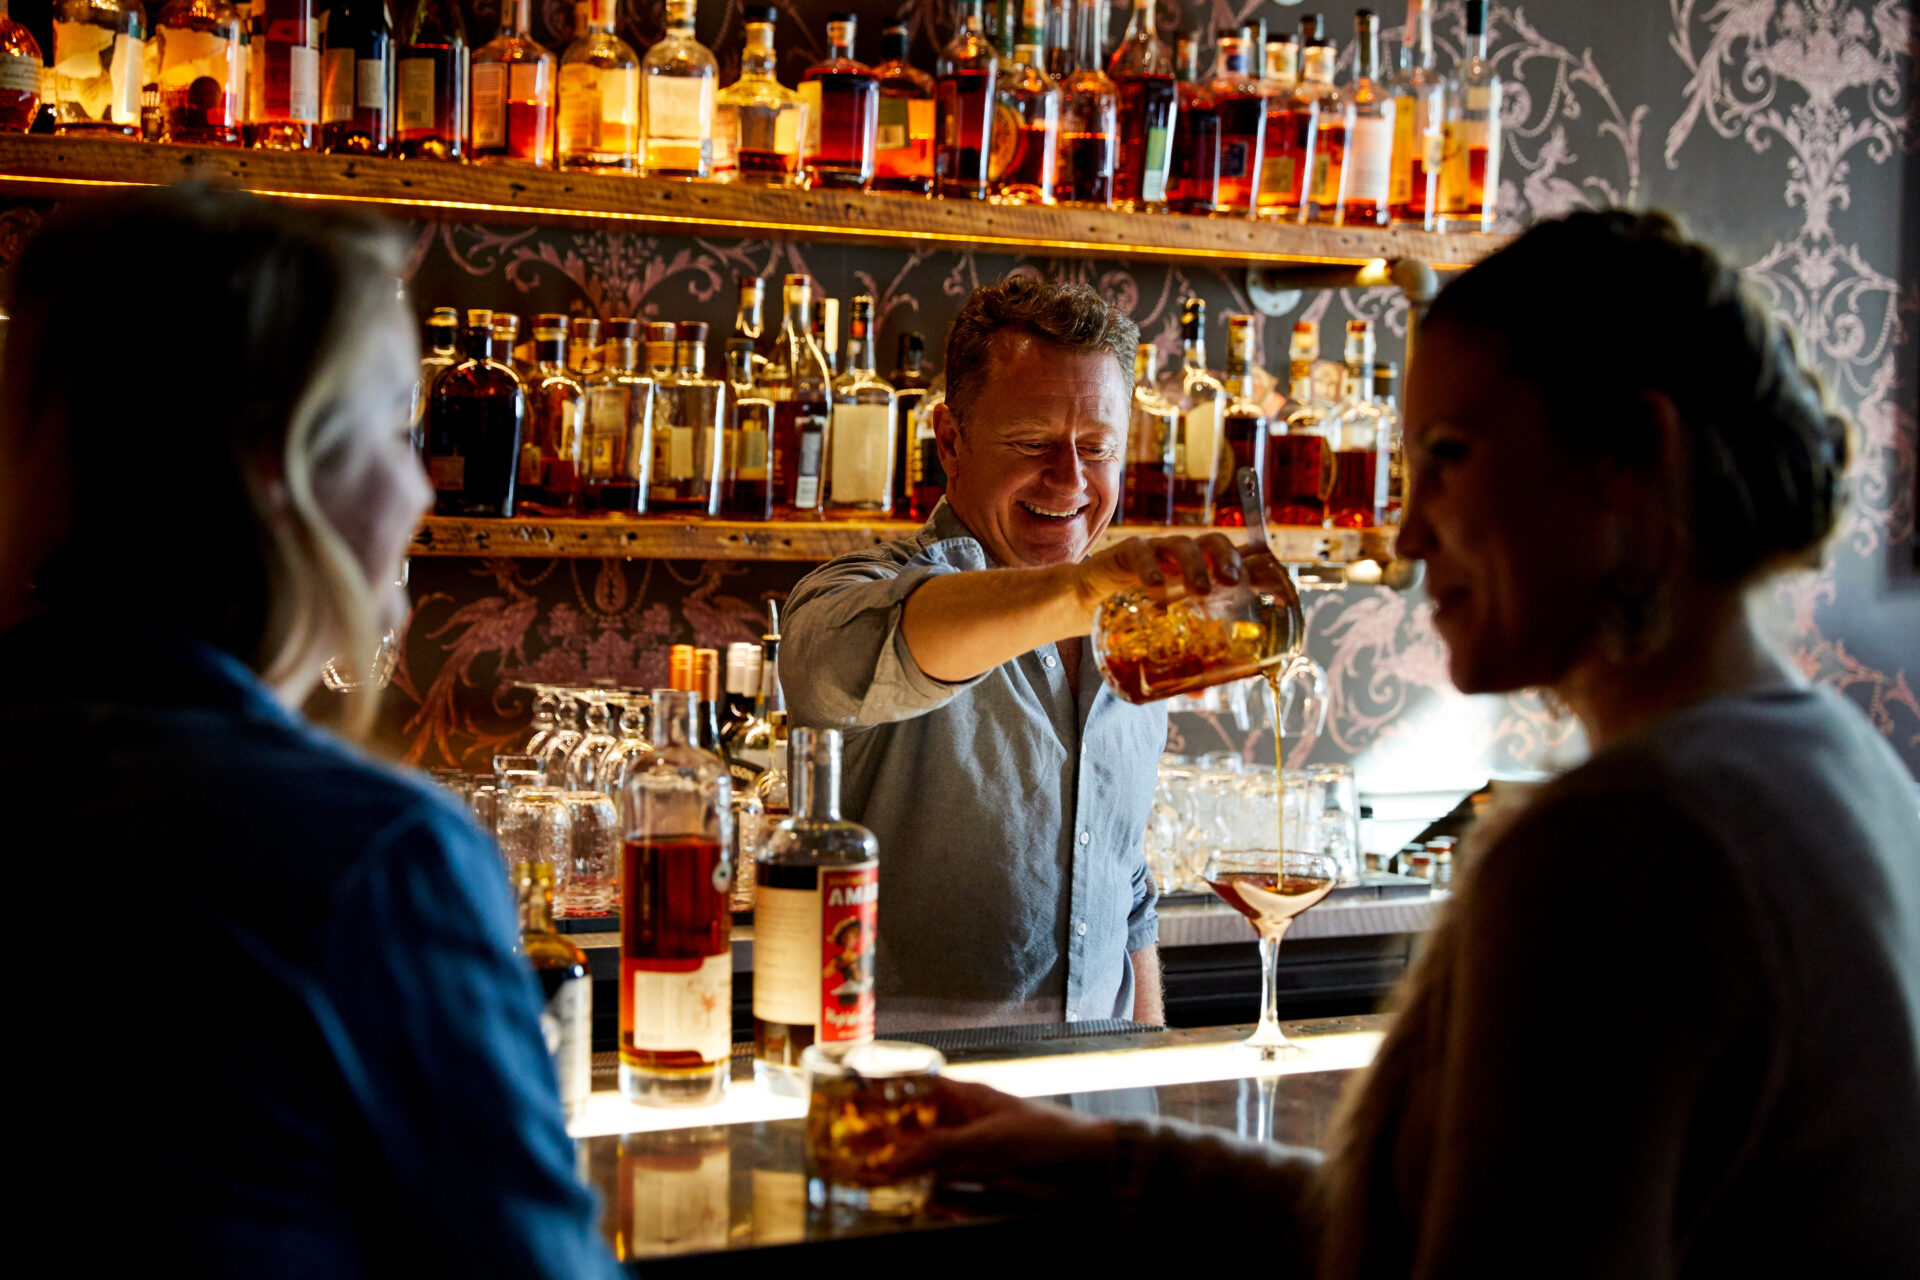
<point x="1070" y="316"/>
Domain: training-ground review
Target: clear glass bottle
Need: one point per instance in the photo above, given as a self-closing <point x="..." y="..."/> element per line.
<point x="551" y="458"/>
<point x="1354" y="426"/>
<point x="357" y="71"/>
<point x="903" y="140"/>
<point x="599" y="97"/>
<point x="617" y="451"/>
<point x="860" y="469"/>
<point x="843" y="110"/>
<point x="1089" y="116"/>
<point x="687" y="427"/>
<point x="1299" y="462"/>
<point x="1196" y="135"/>
<point x="1243" y="423"/>
<point x="678" y="80"/>
<point x="1369" y="162"/>
<point x="566" y="986"/>
<point x="676" y="954"/>
<point x="758" y="123"/>
<point x="442" y="347"/>
<point x="1142" y="72"/>
<point x="1391" y="443"/>
<point x="817" y="900"/>
<point x="1153" y="439"/>
<point x="1317" y="58"/>
<point x="1470" y="138"/>
<point x="432" y="81"/>
<point x="802" y="412"/>
<point x="909" y="381"/>
<point x="1419" y="110"/>
<point x="1024" y="165"/>
<point x="514" y="79"/>
<point x="202" y="65"/>
<point x="99" y="65"/>
<point x="1202" y="404"/>
<point x="287" y="63"/>
<point x="1242" y="110"/>
<point x="746" y="491"/>
<point x="476" y="418"/>
<point x="1292" y="119"/>
<point x="964" y="108"/>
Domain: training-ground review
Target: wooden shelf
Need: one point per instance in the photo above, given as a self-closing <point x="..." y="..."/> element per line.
<point x="802" y="541"/>
<point x="418" y="189"/>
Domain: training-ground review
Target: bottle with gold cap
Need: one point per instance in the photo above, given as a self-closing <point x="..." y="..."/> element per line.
<point x="567" y="1019"/>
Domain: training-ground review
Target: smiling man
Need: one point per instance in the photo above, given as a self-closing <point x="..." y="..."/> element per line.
<point x="1008" y="787"/>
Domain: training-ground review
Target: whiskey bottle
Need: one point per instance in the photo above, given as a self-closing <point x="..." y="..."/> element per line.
<point x="442" y="346"/>
<point x="752" y="746"/>
<point x="746" y="491"/>
<point x="1196" y="135"/>
<point x="963" y="109"/>
<point x="1292" y="122"/>
<point x="1202" y="405"/>
<point x="772" y="787"/>
<point x="686" y="431"/>
<point x="826" y="332"/>
<point x="758" y="123"/>
<point x="742" y="691"/>
<point x="842" y="98"/>
<point x="1242" y="110"/>
<point x="432" y="83"/>
<point x="506" y="344"/>
<point x="908" y="378"/>
<point x="1370" y="143"/>
<point x="357" y="79"/>
<point x="1089" y="116"/>
<point x="1299" y="460"/>
<point x="903" y="139"/>
<point x="566" y="984"/>
<point x="1391" y="495"/>
<point x="1153" y="439"/>
<point x="99" y="60"/>
<point x="927" y="474"/>
<point x="202" y="72"/>
<point x="475" y="421"/>
<point x="513" y="94"/>
<point x="1243" y="430"/>
<point x="551" y="459"/>
<point x="288" y="65"/>
<point x="617" y="451"/>
<point x="676" y="957"/>
<point x="678" y="79"/>
<point x="815" y="912"/>
<point x="1354" y="426"/>
<point x="1142" y="72"/>
<point x="1024" y="165"/>
<point x="750" y="311"/>
<point x="860" y="469"/>
<point x="1419" y="110"/>
<point x="599" y="97"/>
<point x="1328" y="189"/>
<point x="1470" y="138"/>
<point x="802" y="415"/>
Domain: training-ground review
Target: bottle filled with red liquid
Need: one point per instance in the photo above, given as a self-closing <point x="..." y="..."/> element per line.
<point x="842" y="96"/>
<point x="1142" y="71"/>
<point x="964" y="109"/>
<point x="1286" y="168"/>
<point x="1242" y="110"/>
<point x="903" y="140"/>
<point x="1243" y="429"/>
<point x="1195" y="172"/>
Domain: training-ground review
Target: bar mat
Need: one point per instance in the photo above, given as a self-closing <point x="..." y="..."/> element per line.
<point x="996" y="1037"/>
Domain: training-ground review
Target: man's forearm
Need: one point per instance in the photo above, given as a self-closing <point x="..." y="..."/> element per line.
<point x="958" y="625"/>
<point x="1149" y="1001"/>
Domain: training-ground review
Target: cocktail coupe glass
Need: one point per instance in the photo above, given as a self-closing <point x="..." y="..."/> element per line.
<point x="559" y="745"/>
<point x="583" y="762"/>
<point x="1270" y="889"/>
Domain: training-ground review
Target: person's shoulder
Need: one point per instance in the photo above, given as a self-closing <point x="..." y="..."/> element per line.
<point x="942" y="542"/>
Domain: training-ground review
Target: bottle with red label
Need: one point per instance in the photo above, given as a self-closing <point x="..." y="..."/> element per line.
<point x="813" y="922"/>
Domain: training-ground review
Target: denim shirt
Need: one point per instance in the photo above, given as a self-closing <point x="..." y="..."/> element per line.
<point x="1009" y="808"/>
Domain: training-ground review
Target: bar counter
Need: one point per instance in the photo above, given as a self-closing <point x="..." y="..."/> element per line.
<point x="720" y="1190"/>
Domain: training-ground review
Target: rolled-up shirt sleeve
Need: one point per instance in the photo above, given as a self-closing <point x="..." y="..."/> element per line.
<point x="845" y="662"/>
<point x="1143" y="920"/>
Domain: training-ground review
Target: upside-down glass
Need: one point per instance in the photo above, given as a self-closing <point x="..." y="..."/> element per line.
<point x="1270" y="889"/>
<point x="592" y="885"/>
<point x="583" y="762"/>
<point x="560" y="741"/>
<point x="864" y="1099"/>
<point x="534" y="825"/>
<point x="631" y="752"/>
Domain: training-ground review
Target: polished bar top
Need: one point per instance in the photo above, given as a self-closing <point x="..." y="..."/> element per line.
<point x="720" y="1184"/>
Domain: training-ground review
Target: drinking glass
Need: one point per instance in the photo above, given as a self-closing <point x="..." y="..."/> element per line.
<point x="546" y="715"/>
<point x="864" y="1100"/>
<point x="592" y="885"/>
<point x="630" y="752"/>
<point x="566" y="732"/>
<point x="1338" y="824"/>
<point x="1270" y="889"/>
<point x="583" y="761"/>
<point x="518" y="770"/>
<point x="534" y="825"/>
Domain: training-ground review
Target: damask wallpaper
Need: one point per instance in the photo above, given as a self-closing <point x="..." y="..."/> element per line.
<point x="1783" y="131"/>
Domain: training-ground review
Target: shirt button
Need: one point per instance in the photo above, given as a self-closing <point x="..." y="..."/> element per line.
<point x="1050" y="661"/>
<point x="1081" y="928"/>
<point x="1086" y="837"/>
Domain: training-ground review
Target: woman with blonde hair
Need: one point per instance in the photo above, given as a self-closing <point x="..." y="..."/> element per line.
<point x="301" y="1043"/>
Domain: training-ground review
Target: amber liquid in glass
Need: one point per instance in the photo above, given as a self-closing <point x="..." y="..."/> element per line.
<point x="1146" y="103"/>
<point x="675" y="918"/>
<point x="1350" y="505"/>
<point x="1149" y="493"/>
<point x="1297" y="479"/>
<point x="965" y="108"/>
<point x="855" y="1125"/>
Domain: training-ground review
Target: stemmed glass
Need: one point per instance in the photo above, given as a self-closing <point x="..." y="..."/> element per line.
<point x="560" y="742"/>
<point x="1270" y="889"/>
<point x="546" y="719"/>
<point x="583" y="762"/>
<point x="631" y="752"/>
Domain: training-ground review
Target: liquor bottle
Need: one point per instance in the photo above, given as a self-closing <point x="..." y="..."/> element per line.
<point x="927" y="475"/>
<point x="583" y="347"/>
<point x="775" y="797"/>
<point x="746" y="492"/>
<point x="1153" y="440"/>
<point x="753" y="745"/>
<point x="1242" y="110"/>
<point x="1283" y="62"/>
<point x="1292" y="120"/>
<point x="758" y="123"/>
<point x="287" y="59"/>
<point x="860" y="468"/>
<point x="706" y="682"/>
<point x="1243" y="423"/>
<point x="1142" y="71"/>
<point x="432" y="83"/>
<point x="802" y="414"/>
<point x="514" y="81"/>
<point x="357" y="72"/>
<point x="1089" y="116"/>
<point x="903" y="140"/>
<point x="617" y="452"/>
<point x="202" y="72"/>
<point x="1299" y="462"/>
<point x="476" y="418"/>
<point x="1354" y="426"/>
<point x="1470" y="139"/>
<point x="99" y="60"/>
<point x="742" y="691"/>
<point x="599" y="97"/>
<point x="842" y="96"/>
<point x="1391" y="444"/>
<point x="676" y="955"/>
<point x="1369" y="163"/>
<point x="908" y="378"/>
<point x="1196" y="135"/>
<point x="442" y="346"/>
<point x="551" y="458"/>
<point x="688" y="421"/>
<point x="678" y="79"/>
<point x="1419" y="109"/>
<point x="814" y="918"/>
<point x="750" y="311"/>
<point x="826" y="332"/>
<point x="1024" y="165"/>
<point x="963" y="109"/>
<point x="1061" y="33"/>
<point x="566" y="986"/>
<point x="1202" y="404"/>
<point x="1317" y="57"/>
<point x="506" y="342"/>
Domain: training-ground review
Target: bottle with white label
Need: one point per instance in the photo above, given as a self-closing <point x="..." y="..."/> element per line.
<point x="202" y="72"/>
<point x="1470" y="140"/>
<point x="617" y="449"/>
<point x="99" y="48"/>
<point x="599" y="97"/>
<point x="814" y="917"/>
<point x="357" y="79"/>
<point x="676" y="955"/>
<point x="1203" y="404"/>
<point x="285" y="86"/>
<point x="566" y="1020"/>
<point x="1370" y="138"/>
<point x="865" y="443"/>
<point x="678" y="80"/>
<point x="432" y="83"/>
<point x="687" y="428"/>
<point x="512" y="92"/>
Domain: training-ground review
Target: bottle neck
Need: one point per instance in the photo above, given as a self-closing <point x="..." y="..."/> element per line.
<point x="604" y="15"/>
<point x="535" y="892"/>
<point x="1366" y="51"/>
<point x="550" y="354"/>
<point x="1359" y="383"/>
<point x="1416" y="41"/>
<point x="1316" y="63"/>
<point x="623" y="354"/>
<point x="692" y="358"/>
<point x="517" y="18"/>
<point x="1144" y="360"/>
<point x="859" y="347"/>
<point x="679" y="18"/>
<point x="1477" y="30"/>
<point x="758" y="56"/>
<point x="972" y="20"/>
<point x="770" y="699"/>
<point x="840" y="41"/>
<point x="893" y="45"/>
<point x="443" y="340"/>
<point x="1233" y="56"/>
<point x="676" y="718"/>
<point x="813" y="775"/>
<point x="480" y="342"/>
<point x="797" y="323"/>
<point x="1300" y="380"/>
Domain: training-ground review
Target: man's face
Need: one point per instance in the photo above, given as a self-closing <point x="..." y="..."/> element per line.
<point x="1034" y="471"/>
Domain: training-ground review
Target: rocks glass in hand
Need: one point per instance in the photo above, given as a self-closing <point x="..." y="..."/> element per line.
<point x="864" y="1100"/>
<point x="1270" y="889"/>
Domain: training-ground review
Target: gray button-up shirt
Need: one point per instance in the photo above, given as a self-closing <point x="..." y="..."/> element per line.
<point x="1009" y="808"/>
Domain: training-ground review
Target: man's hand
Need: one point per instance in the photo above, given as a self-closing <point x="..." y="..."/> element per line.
<point x="1170" y="566"/>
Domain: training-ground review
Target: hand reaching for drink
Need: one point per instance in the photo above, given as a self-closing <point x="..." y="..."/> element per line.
<point x="1010" y="1143"/>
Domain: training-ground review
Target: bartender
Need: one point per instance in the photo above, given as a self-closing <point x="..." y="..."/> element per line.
<point x="1008" y="787"/>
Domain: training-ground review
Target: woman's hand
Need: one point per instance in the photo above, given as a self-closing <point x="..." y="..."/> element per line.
<point x="993" y="1138"/>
